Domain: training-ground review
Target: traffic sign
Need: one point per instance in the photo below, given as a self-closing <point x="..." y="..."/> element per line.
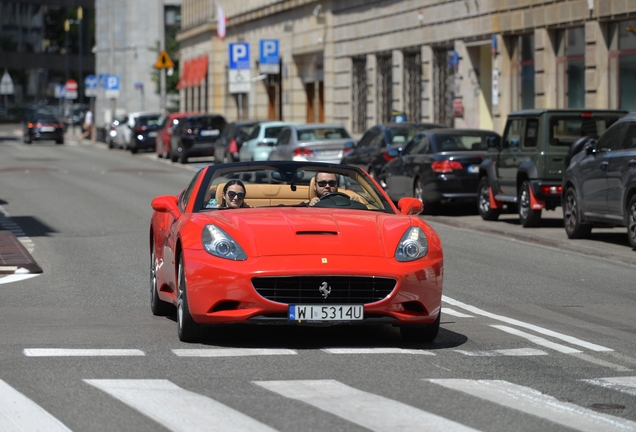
<point x="240" y="55"/>
<point x="240" y="80"/>
<point x="164" y="61"/>
<point x="90" y="84"/>
<point x="269" y="60"/>
<point x="71" y="89"/>
<point x="112" y="86"/>
<point x="6" y="84"/>
<point x="101" y="80"/>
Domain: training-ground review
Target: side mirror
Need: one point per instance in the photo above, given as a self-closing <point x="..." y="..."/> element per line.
<point x="588" y="148"/>
<point x="410" y="206"/>
<point x="166" y="204"/>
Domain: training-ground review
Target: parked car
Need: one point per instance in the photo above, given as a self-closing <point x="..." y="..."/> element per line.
<point x="144" y="132"/>
<point x="226" y="148"/>
<point x="599" y="186"/>
<point x="261" y="141"/>
<point x="195" y="136"/>
<point x="526" y="170"/>
<point x="124" y="131"/>
<point x="168" y="124"/>
<point x="353" y="258"/>
<point x="372" y="151"/>
<point x="112" y="130"/>
<point x="41" y="125"/>
<point x="438" y="165"/>
<point x="314" y="142"/>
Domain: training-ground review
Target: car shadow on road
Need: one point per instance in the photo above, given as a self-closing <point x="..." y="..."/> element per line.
<point x="31" y="226"/>
<point x="311" y="338"/>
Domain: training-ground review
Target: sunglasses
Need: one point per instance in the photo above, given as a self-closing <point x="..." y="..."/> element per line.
<point x="233" y="195"/>
<point x="324" y="183"/>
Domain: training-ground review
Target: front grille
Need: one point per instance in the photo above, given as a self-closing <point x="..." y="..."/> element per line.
<point x="306" y="289"/>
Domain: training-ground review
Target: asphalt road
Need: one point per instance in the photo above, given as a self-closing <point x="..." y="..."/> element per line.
<point x="537" y="331"/>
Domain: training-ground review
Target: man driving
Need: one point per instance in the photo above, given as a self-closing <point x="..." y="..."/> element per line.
<point x="324" y="183"/>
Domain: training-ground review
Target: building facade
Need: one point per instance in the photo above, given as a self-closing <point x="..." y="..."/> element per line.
<point x="127" y="47"/>
<point x="464" y="63"/>
<point x="39" y="54"/>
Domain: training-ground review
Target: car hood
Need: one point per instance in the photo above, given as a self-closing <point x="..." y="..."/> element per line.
<point x="311" y="231"/>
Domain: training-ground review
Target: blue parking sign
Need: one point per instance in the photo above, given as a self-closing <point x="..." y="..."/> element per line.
<point x="269" y="59"/>
<point x="240" y="55"/>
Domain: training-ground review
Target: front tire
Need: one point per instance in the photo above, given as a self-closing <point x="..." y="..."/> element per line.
<point x="527" y="216"/>
<point x="421" y="333"/>
<point x="631" y="222"/>
<point x="157" y="306"/>
<point x="486" y="212"/>
<point x="188" y="330"/>
<point x="572" y="218"/>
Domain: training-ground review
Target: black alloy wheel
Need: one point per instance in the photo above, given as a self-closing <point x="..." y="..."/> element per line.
<point x="188" y="330"/>
<point x="483" y="202"/>
<point x="157" y="306"/>
<point x="631" y="222"/>
<point x="421" y="333"/>
<point x="27" y="139"/>
<point x="572" y="218"/>
<point x="527" y="216"/>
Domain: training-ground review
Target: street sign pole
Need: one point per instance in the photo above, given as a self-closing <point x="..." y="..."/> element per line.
<point x="162" y="42"/>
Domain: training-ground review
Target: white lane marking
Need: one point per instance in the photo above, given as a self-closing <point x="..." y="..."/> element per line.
<point x="626" y="384"/>
<point x="512" y="321"/>
<point x="453" y="312"/>
<point x="517" y="352"/>
<point x="536" y="339"/>
<point x="231" y="352"/>
<point x="368" y="410"/>
<point x="531" y="401"/>
<point x="17" y="277"/>
<point x="375" y="351"/>
<point x="178" y="409"/>
<point x="63" y="352"/>
<point x="18" y="413"/>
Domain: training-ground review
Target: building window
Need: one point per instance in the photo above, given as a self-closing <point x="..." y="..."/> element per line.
<point x="622" y="65"/>
<point x="413" y="86"/>
<point x="571" y="68"/>
<point x="385" y="89"/>
<point x="522" y="48"/>
<point x="359" y="95"/>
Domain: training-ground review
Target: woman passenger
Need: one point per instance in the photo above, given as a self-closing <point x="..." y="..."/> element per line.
<point x="234" y="194"/>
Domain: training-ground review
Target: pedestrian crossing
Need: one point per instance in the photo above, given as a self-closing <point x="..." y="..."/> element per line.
<point x="179" y="409"/>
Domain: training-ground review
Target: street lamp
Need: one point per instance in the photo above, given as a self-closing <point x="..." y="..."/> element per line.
<point x="67" y="27"/>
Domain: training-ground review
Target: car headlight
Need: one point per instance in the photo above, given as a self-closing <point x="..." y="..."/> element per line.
<point x="219" y="243"/>
<point x="412" y="246"/>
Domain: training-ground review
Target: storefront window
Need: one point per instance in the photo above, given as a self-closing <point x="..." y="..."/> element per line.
<point x="571" y="68"/>
<point x="523" y="71"/>
<point x="622" y="37"/>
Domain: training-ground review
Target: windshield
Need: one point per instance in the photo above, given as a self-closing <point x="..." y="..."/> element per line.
<point x="320" y="134"/>
<point x="565" y="130"/>
<point x="272" y="184"/>
<point x="453" y="142"/>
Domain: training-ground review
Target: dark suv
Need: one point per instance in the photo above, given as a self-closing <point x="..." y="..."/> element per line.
<point x="525" y="172"/>
<point x="195" y="136"/>
<point x="599" y="186"/>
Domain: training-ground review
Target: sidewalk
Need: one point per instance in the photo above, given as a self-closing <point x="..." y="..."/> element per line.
<point x="608" y="243"/>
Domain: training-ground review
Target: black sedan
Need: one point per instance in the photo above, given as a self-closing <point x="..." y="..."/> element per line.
<point x="43" y="127"/>
<point x="195" y="136"/>
<point x="144" y="132"/>
<point x="372" y="151"/>
<point x="439" y="165"/>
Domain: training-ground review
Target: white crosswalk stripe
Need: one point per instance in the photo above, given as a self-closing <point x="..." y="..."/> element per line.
<point x="625" y="384"/>
<point x="18" y="413"/>
<point x="515" y="352"/>
<point x="368" y="410"/>
<point x="533" y="402"/>
<point x="178" y="409"/>
<point x="64" y="352"/>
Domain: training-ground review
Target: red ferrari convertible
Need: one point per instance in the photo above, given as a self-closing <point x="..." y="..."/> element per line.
<point x="294" y="243"/>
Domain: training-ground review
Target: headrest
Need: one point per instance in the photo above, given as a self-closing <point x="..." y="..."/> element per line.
<point x="312" y="188"/>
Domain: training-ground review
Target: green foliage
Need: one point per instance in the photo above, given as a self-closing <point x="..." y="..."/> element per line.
<point x="172" y="48"/>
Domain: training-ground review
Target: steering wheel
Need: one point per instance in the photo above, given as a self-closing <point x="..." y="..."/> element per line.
<point x="332" y="195"/>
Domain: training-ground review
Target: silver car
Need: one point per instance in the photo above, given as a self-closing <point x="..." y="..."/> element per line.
<point x="314" y="142"/>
